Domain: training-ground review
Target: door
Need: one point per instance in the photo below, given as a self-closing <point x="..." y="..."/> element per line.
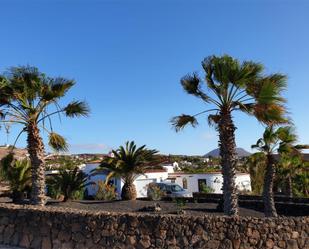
<point x="201" y="184"/>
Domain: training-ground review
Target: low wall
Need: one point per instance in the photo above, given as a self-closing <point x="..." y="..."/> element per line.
<point x="49" y="227"/>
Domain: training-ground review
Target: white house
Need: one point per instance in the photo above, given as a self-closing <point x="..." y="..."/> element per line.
<point x="141" y="181"/>
<point x="194" y="182"/>
<point x="190" y="182"/>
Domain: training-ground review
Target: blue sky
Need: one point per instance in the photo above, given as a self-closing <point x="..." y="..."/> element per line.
<point x="127" y="58"/>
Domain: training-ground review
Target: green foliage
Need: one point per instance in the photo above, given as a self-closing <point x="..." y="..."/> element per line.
<point x="206" y="189"/>
<point x="29" y="96"/>
<point x="255" y="165"/>
<point x="283" y="141"/>
<point x="70" y="183"/>
<point x="180" y="205"/>
<point x="230" y="85"/>
<point x="155" y="193"/>
<point x="129" y="161"/>
<point x="18" y="174"/>
<point x="105" y="192"/>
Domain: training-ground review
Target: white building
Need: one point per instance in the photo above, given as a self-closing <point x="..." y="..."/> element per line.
<point x="141" y="182"/>
<point x="190" y="182"/>
<point x="214" y="180"/>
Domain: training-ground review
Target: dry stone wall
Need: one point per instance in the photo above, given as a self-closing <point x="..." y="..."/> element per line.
<point x="48" y="227"/>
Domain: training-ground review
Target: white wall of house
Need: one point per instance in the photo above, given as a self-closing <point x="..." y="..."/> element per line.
<point x="212" y="180"/>
<point x="140" y="182"/>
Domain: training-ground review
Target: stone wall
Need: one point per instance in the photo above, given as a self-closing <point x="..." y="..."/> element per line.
<point x="49" y="227"/>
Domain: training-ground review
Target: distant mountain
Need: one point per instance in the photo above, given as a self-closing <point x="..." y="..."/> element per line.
<point x="240" y="152"/>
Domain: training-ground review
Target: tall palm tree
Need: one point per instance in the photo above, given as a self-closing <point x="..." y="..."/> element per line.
<point x="30" y="98"/>
<point x="128" y="162"/>
<point x="281" y="140"/>
<point x="233" y="86"/>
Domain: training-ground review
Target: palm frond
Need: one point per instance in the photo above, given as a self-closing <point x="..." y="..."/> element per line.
<point x="179" y="122"/>
<point x="57" y="142"/>
<point x="76" y="109"/>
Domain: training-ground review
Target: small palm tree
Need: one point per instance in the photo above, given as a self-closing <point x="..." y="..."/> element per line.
<point x="268" y="145"/>
<point x="68" y="182"/>
<point x="18" y="174"/>
<point x="290" y="156"/>
<point x="255" y="165"/>
<point x="279" y="140"/>
<point x="128" y="162"/>
<point x="30" y="98"/>
<point x="231" y="86"/>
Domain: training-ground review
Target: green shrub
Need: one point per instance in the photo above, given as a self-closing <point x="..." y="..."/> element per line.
<point x="206" y="189"/>
<point x="155" y="193"/>
<point x="18" y="174"/>
<point x="70" y="183"/>
<point x="105" y="191"/>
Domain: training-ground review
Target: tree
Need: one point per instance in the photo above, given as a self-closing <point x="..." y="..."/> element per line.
<point x="279" y="140"/>
<point x="30" y="98"/>
<point x="233" y="86"/>
<point x="128" y="162"/>
<point x="290" y="156"/>
<point x="18" y="174"/>
<point x="255" y="166"/>
<point x="68" y="182"/>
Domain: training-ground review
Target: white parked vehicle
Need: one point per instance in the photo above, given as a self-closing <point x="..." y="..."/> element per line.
<point x="170" y="190"/>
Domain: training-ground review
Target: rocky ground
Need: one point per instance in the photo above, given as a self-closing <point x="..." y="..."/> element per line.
<point x="142" y="206"/>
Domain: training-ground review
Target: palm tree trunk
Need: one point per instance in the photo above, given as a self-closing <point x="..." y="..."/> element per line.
<point x="128" y="191"/>
<point x="227" y="147"/>
<point x="36" y="153"/>
<point x="289" y="188"/>
<point x="268" y="194"/>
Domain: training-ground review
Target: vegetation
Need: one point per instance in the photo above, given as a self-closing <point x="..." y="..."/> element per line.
<point x="206" y="189"/>
<point x="155" y="193"/>
<point x="105" y="192"/>
<point x="129" y="162"/>
<point x="63" y="162"/>
<point x="233" y="86"/>
<point x="18" y="174"/>
<point x="279" y="140"/>
<point x="27" y="98"/>
<point x="180" y="205"/>
<point x="255" y="166"/>
<point x="69" y="183"/>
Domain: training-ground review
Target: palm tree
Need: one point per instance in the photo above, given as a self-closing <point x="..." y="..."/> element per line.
<point x="128" y="162"/>
<point x="290" y="156"/>
<point x="18" y="174"/>
<point x="268" y="145"/>
<point x="279" y="140"/>
<point x="233" y="86"/>
<point x="68" y="182"/>
<point x="30" y="98"/>
<point x="255" y="166"/>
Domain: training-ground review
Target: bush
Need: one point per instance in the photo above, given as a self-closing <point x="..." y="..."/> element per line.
<point x="18" y="174"/>
<point x="206" y="189"/>
<point x="105" y="192"/>
<point x="69" y="183"/>
<point x="155" y="193"/>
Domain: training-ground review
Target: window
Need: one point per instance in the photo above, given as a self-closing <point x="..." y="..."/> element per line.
<point x="176" y="188"/>
<point x="185" y="183"/>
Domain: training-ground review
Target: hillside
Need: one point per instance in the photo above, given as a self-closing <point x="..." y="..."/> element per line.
<point x="240" y="153"/>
